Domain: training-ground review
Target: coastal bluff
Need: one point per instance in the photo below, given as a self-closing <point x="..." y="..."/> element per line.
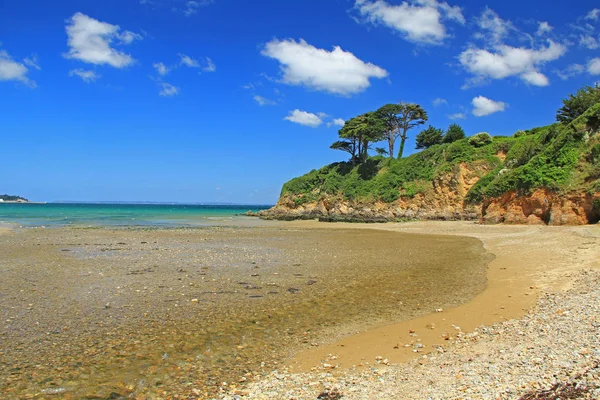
<point x="548" y="175"/>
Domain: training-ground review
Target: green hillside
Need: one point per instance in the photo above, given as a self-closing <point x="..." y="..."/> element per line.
<point x="563" y="157"/>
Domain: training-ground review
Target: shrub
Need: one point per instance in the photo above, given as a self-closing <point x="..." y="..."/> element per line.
<point x="481" y="139"/>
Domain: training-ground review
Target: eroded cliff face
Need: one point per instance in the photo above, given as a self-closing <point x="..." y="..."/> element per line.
<point x="443" y="198"/>
<point x="543" y="207"/>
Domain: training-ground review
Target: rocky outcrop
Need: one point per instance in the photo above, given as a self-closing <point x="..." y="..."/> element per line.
<point x="542" y="207"/>
<point x="444" y="199"/>
<point x="441" y="199"/>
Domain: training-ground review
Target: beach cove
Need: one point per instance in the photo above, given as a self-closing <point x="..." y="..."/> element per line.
<point x="172" y="313"/>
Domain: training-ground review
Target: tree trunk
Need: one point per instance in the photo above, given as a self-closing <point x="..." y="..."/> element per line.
<point x="402" y="141"/>
<point x="391" y="146"/>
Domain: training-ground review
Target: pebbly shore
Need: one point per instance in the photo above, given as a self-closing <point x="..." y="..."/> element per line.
<point x="551" y="353"/>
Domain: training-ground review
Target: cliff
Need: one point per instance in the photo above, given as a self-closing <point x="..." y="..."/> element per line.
<point x="547" y="175"/>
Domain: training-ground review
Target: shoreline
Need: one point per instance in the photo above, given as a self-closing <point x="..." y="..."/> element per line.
<point x="517" y="276"/>
<point x="530" y="262"/>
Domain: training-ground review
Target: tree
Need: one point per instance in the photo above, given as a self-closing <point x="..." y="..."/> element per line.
<point x="429" y="137"/>
<point x="381" y="151"/>
<point x="577" y="104"/>
<point x="398" y="119"/>
<point x="455" y="132"/>
<point x="358" y="133"/>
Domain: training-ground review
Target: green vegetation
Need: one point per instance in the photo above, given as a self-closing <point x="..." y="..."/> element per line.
<point x="429" y="137"/>
<point x="455" y="132"/>
<point x="576" y="104"/>
<point x="561" y="157"/>
<point x="6" y="197"/>
<point x="480" y="139"/>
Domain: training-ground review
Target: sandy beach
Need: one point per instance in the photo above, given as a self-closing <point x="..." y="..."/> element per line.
<point x="291" y="310"/>
<point x="160" y="313"/>
<point x="506" y="343"/>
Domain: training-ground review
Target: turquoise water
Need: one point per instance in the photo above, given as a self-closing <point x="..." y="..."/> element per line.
<point x="55" y="214"/>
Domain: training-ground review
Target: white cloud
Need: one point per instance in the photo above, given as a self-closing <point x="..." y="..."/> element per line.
<point x="90" y="41"/>
<point x="439" y="101"/>
<point x="263" y="101"/>
<point x="543" y="28"/>
<point x="419" y="21"/>
<point x="588" y="42"/>
<point x="188" y="61"/>
<point x="593" y="66"/>
<point x="32" y="62"/>
<point x="304" y="118"/>
<point x="484" y="106"/>
<point x="593" y="15"/>
<point x="508" y="61"/>
<point x="161" y="68"/>
<point x="571" y="71"/>
<point x="207" y="65"/>
<point x="337" y="71"/>
<point x="86" y="76"/>
<point x="457" y="116"/>
<point x="496" y="27"/>
<point x="11" y="70"/>
<point x="336" y="122"/>
<point x="210" y="66"/>
<point x="168" y="90"/>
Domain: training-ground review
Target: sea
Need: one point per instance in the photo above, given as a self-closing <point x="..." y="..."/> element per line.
<point x="140" y="215"/>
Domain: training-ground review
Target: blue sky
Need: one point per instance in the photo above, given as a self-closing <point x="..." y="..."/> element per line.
<point x="223" y="100"/>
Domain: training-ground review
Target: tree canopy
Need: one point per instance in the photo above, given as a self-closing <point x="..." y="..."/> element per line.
<point x="455" y="132"/>
<point x="576" y="104"/>
<point x="429" y="137"/>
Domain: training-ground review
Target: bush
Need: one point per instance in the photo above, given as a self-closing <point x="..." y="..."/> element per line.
<point x="481" y="139"/>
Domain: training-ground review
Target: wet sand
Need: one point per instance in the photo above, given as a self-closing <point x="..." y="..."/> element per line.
<point x="529" y="261"/>
<point x="185" y="313"/>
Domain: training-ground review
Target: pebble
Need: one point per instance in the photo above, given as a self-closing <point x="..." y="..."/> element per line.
<point x="508" y="360"/>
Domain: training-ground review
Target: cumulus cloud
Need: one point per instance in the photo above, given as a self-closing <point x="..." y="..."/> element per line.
<point x="505" y="61"/>
<point x="263" y="101"/>
<point x="593" y="66"/>
<point x="11" y="70"/>
<point x="337" y="71"/>
<point x="418" y="21"/>
<point x="304" y="118"/>
<point x="86" y="76"/>
<point x="336" y="122"/>
<point x="495" y="27"/>
<point x="484" y="106"/>
<point x="439" y="101"/>
<point x="167" y="90"/>
<point x="593" y="15"/>
<point x="588" y="42"/>
<point x="161" y="68"/>
<point x="90" y="41"/>
<point x="543" y="28"/>
<point x="457" y="116"/>
<point x="188" y="61"/>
